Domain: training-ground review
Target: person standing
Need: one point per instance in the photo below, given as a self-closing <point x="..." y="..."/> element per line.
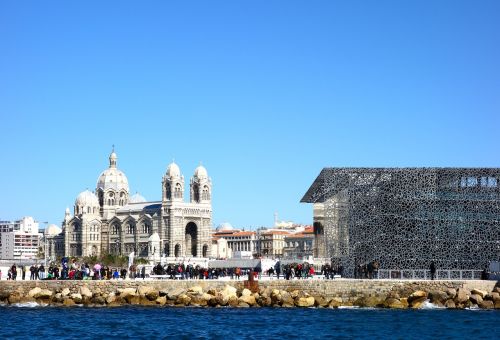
<point x="23" y="272"/>
<point x="433" y="270"/>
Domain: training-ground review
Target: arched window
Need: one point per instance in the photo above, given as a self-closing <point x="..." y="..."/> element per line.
<point x="178" y="191"/>
<point x="196" y="193"/>
<point x="205" y="195"/>
<point x="168" y="191"/>
<point x="89" y="210"/>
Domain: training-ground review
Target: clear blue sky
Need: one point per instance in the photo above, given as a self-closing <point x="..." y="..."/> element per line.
<point x="264" y="93"/>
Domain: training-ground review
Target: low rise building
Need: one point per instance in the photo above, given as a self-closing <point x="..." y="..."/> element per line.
<point x="299" y="246"/>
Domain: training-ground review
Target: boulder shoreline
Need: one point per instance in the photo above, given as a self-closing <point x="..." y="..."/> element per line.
<point x="452" y="294"/>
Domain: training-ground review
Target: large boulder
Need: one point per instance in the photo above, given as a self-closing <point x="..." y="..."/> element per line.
<point x="246" y="292"/>
<point x="320" y="301"/>
<point x="335" y="302"/>
<point x="183" y="299"/>
<point x="373" y="301"/>
<point x="487" y="304"/>
<point x="264" y="301"/>
<point x="128" y="292"/>
<point x="481" y="293"/>
<point x="438" y="297"/>
<point x="149" y="292"/>
<point x="234" y="302"/>
<point x="195" y="290"/>
<point x="476" y="299"/>
<point x="76" y="297"/>
<point x="33" y="292"/>
<point x="394" y="303"/>
<point x="305" y="301"/>
<point x="44" y="294"/>
<point x="173" y="294"/>
<point x="248" y="299"/>
<point x="85" y="292"/>
<point x="451" y="292"/>
<point x="286" y="299"/>
<point x="417" y="295"/>
<point x="161" y="300"/>
<point x="450" y="304"/>
<point x="65" y="292"/>
<point x="462" y="295"/>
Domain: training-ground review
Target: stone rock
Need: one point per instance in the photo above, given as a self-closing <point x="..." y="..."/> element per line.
<point x="320" y="301"/>
<point x="450" y="304"/>
<point x="207" y="297"/>
<point x="99" y="300"/>
<point x="462" y="295"/>
<point x="133" y="299"/>
<point x="481" y="293"/>
<point x="149" y="292"/>
<point x="248" y="299"/>
<point x="335" y="302"/>
<point x="497" y="304"/>
<point x="111" y="298"/>
<point x="229" y="291"/>
<point x="197" y="300"/>
<point x="212" y="291"/>
<point x="486" y="304"/>
<point x="373" y="301"/>
<point x="286" y="298"/>
<point x="438" y="297"/>
<point x="68" y="302"/>
<point x="233" y="301"/>
<point x="304" y="301"/>
<point x="264" y="301"/>
<point x="183" y="299"/>
<point x="175" y="293"/>
<point x="195" y="290"/>
<point x="243" y="305"/>
<point x="76" y="297"/>
<point x="452" y="292"/>
<point x="246" y="292"/>
<point x="418" y="303"/>
<point x="128" y="292"/>
<point x="495" y="296"/>
<point x="394" y="303"/>
<point x="161" y="300"/>
<point x="44" y="294"/>
<point x="419" y="294"/>
<point x="15" y="298"/>
<point x="476" y="299"/>
<point x="65" y="292"/>
<point x="35" y="291"/>
<point x="85" y="292"/>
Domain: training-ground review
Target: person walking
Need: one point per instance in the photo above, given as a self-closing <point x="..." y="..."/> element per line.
<point x="433" y="270"/>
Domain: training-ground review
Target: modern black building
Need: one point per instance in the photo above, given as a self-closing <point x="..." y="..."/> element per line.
<point x="405" y="218"/>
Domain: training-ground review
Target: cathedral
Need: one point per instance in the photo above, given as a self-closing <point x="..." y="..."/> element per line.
<point x="111" y="221"/>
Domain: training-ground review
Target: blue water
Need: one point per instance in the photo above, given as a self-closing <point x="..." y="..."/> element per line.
<point x="228" y="323"/>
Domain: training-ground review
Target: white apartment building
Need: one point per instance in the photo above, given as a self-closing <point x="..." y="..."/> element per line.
<point x="19" y="239"/>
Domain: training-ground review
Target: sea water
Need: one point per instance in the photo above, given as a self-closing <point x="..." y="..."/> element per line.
<point x="29" y="320"/>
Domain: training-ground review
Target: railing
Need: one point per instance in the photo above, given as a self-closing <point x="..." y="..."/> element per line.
<point x="441" y="274"/>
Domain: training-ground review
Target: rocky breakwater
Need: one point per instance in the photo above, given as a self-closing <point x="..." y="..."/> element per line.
<point x="333" y="294"/>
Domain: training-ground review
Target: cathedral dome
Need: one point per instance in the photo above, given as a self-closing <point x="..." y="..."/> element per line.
<point x="52" y="230"/>
<point x="137" y="198"/>
<point x="200" y="172"/>
<point x="173" y="170"/>
<point x="225" y="227"/>
<point x="86" y="199"/>
<point x="112" y="178"/>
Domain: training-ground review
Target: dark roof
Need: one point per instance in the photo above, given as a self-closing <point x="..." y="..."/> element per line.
<point x="332" y="180"/>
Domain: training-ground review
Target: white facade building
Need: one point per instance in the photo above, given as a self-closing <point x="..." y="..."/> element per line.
<point x="111" y="221"/>
<point x="22" y="242"/>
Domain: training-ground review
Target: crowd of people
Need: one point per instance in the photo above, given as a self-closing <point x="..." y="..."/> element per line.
<point x="366" y="271"/>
